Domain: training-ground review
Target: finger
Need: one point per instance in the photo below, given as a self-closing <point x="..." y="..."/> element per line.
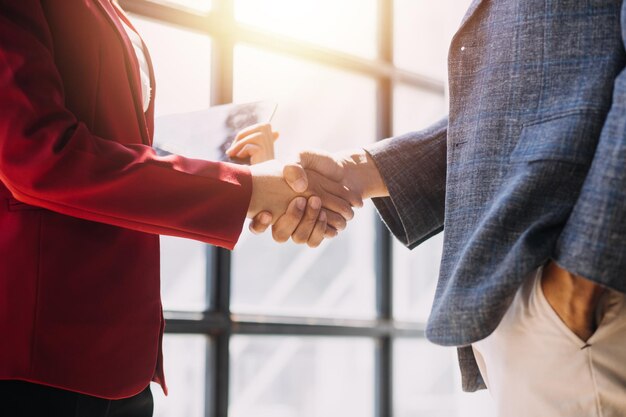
<point x="256" y="138"/>
<point x="319" y="185"/>
<point x="322" y="163"/>
<point x="296" y="177"/>
<point x="248" y="151"/>
<point x="262" y="128"/>
<point x="336" y="221"/>
<point x="276" y="136"/>
<point x="260" y="223"/>
<point x="317" y="236"/>
<point x="341" y="191"/>
<point x="330" y="232"/>
<point x="337" y="205"/>
<point x="288" y="222"/>
<point x="306" y="226"/>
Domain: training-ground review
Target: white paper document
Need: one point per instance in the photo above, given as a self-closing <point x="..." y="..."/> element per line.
<point x="207" y="134"/>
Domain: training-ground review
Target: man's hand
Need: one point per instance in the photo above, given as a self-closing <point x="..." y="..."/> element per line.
<point x="353" y="171"/>
<point x="573" y="298"/>
<point x="329" y="203"/>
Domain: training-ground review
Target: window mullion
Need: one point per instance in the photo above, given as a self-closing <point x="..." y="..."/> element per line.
<point x="384" y="287"/>
<point x="216" y="405"/>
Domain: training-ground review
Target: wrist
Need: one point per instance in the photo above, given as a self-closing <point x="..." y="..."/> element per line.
<point x="363" y="175"/>
<point x="270" y="192"/>
<point x="253" y="208"/>
<point x="570" y="293"/>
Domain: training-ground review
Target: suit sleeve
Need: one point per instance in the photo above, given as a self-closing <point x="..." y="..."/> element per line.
<point x="50" y="159"/>
<point x="593" y="241"/>
<point x="413" y="167"/>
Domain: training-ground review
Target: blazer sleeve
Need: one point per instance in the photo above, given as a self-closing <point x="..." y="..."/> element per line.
<point x="593" y="242"/>
<point x="50" y="159"/>
<point x="413" y="167"/>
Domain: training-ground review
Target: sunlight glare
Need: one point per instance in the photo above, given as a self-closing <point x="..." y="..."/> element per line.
<point x="347" y="25"/>
<point x="201" y="6"/>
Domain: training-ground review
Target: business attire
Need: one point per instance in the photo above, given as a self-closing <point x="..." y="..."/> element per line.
<point x="83" y="198"/>
<point x="527" y="167"/>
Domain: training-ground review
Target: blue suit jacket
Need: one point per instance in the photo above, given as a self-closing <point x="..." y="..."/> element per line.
<point x="529" y="166"/>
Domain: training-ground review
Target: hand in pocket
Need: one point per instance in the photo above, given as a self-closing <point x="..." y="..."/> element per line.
<point x="573" y="298"/>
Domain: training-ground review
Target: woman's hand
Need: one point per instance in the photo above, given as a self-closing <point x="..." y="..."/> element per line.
<point x="255" y="142"/>
<point x="274" y="201"/>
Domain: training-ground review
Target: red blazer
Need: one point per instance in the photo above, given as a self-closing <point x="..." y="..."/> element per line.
<point x="83" y="198"/>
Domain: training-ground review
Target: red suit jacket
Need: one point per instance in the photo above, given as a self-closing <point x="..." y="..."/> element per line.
<point x="83" y="198"/>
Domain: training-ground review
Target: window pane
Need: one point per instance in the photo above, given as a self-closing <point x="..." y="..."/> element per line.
<point x="200" y="6"/>
<point x="415" y="109"/>
<point x="422" y="34"/>
<point x="181" y="62"/>
<point x="415" y="279"/>
<point x="185" y="371"/>
<point x="318" y="107"/>
<point x="427" y="383"/>
<point x="182" y="66"/>
<point x="416" y="271"/>
<point x="274" y="376"/>
<point x="183" y="274"/>
<point x="344" y="25"/>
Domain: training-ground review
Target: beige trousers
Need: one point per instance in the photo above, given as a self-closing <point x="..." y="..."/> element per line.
<point x="535" y="366"/>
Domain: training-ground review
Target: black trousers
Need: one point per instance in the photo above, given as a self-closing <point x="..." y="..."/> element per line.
<point x="24" y="399"/>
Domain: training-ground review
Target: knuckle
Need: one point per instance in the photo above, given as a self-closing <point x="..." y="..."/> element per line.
<point x="348" y="213"/>
<point x="311" y="215"/>
<point x="299" y="238"/>
<point x="279" y="235"/>
<point x="313" y="244"/>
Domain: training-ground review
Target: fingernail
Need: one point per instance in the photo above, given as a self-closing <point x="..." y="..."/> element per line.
<point x="265" y="218"/>
<point x="300" y="185"/>
<point x="323" y="216"/>
<point x="315" y="202"/>
<point x="300" y="203"/>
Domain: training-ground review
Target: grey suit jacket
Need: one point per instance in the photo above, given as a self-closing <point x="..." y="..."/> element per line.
<point x="529" y="166"/>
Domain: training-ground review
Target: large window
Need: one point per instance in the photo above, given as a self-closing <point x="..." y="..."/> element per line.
<point x="283" y="330"/>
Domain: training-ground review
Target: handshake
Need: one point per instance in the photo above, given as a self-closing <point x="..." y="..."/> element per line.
<point x="310" y="199"/>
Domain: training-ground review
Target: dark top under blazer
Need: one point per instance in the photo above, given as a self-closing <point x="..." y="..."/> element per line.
<point x="528" y="166"/>
<point x="82" y="199"/>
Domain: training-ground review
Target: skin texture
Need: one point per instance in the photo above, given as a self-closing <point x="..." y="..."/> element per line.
<point x="271" y="193"/>
<point x="318" y="209"/>
<point x="354" y="170"/>
<point x="573" y="298"/>
<point x="255" y="143"/>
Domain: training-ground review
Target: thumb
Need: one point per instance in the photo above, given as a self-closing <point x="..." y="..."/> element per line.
<point x="322" y="163"/>
<point x="296" y="177"/>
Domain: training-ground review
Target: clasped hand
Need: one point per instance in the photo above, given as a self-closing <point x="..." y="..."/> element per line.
<point x="310" y="199"/>
<point x="333" y="184"/>
<point x="303" y="204"/>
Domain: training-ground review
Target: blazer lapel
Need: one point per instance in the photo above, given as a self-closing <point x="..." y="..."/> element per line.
<point x="149" y="114"/>
<point x="132" y="65"/>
